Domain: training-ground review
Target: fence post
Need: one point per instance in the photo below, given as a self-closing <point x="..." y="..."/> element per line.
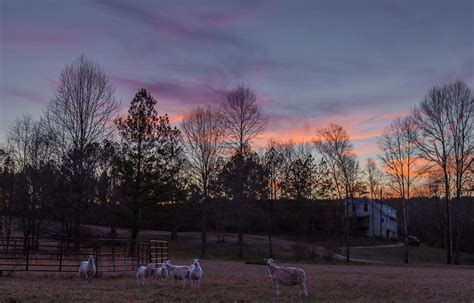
<point x="61" y="254"/>
<point x="161" y="251"/>
<point x="96" y="257"/>
<point x="27" y="253"/>
<point x="130" y="255"/>
<point x="113" y="256"/>
<point x="59" y="248"/>
<point x="150" y="257"/>
<point x="138" y="253"/>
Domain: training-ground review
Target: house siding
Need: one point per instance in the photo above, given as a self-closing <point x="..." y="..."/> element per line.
<point x="382" y="219"/>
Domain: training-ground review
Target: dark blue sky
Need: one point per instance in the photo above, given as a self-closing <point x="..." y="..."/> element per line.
<point x="357" y="63"/>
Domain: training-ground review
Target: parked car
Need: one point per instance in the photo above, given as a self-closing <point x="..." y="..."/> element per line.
<point x="413" y="241"/>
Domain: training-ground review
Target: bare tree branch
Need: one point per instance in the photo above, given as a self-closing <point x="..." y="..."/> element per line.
<point x="242" y="117"/>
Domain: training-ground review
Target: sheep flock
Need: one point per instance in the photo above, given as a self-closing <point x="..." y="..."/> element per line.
<point x="192" y="274"/>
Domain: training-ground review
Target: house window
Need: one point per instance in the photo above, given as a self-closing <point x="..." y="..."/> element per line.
<point x="366" y="207"/>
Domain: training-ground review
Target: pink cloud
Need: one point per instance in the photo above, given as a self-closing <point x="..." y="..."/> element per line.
<point x="361" y="128"/>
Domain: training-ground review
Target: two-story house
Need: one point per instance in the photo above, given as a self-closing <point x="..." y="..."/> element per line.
<point x="373" y="218"/>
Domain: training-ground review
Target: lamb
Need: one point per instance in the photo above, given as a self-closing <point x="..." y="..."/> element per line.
<point x="144" y="272"/>
<point x="288" y="276"/>
<point x="178" y="272"/>
<point x="195" y="274"/>
<point x="87" y="269"/>
<point x="162" y="272"/>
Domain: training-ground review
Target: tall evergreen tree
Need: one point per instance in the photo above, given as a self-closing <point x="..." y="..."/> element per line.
<point x="149" y="159"/>
<point x="244" y="178"/>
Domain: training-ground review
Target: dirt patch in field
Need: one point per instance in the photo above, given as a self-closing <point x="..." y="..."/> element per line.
<point x="226" y="281"/>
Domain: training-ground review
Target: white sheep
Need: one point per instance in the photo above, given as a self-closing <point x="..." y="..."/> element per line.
<point x="288" y="276"/>
<point x="162" y="272"/>
<point x="87" y="269"/>
<point x="195" y="273"/>
<point x="144" y="272"/>
<point x="178" y="272"/>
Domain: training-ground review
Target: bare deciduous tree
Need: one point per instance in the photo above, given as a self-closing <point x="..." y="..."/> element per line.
<point x="7" y="197"/>
<point x="203" y="132"/>
<point x="273" y="161"/>
<point x="298" y="181"/>
<point x="79" y="117"/>
<point x="243" y="120"/>
<point x="460" y="114"/>
<point x="19" y="140"/>
<point x="29" y="148"/>
<point x="242" y="116"/>
<point x="335" y="147"/>
<point x="434" y="141"/>
<point x="84" y="105"/>
<point x="374" y="179"/>
<point x="400" y="163"/>
<point x="287" y="150"/>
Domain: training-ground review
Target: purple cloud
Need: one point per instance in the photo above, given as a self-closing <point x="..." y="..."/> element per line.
<point x="180" y="24"/>
<point x="182" y="92"/>
<point x="37" y="36"/>
<point x="26" y="95"/>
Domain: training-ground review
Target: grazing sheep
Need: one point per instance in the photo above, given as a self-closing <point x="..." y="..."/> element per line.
<point x="162" y="272"/>
<point x="288" y="276"/>
<point x="144" y="272"/>
<point x="87" y="269"/>
<point x="178" y="272"/>
<point x="195" y="273"/>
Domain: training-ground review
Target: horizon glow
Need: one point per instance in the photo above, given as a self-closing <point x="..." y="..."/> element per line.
<point x="356" y="63"/>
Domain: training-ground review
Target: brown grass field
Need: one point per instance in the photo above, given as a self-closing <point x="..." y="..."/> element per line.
<point x="230" y="281"/>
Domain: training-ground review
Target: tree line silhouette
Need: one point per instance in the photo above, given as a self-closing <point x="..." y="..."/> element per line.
<point x="82" y="164"/>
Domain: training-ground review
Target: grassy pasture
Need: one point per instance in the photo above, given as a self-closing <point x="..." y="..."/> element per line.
<point x="416" y="254"/>
<point x="231" y="281"/>
<point x="188" y="246"/>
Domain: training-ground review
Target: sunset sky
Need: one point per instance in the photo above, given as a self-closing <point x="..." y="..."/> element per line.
<point x="356" y="63"/>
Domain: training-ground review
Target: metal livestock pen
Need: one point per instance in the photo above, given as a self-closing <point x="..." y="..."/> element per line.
<point x="65" y="254"/>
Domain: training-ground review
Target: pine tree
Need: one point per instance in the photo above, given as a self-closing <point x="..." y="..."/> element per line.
<point x="149" y="160"/>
